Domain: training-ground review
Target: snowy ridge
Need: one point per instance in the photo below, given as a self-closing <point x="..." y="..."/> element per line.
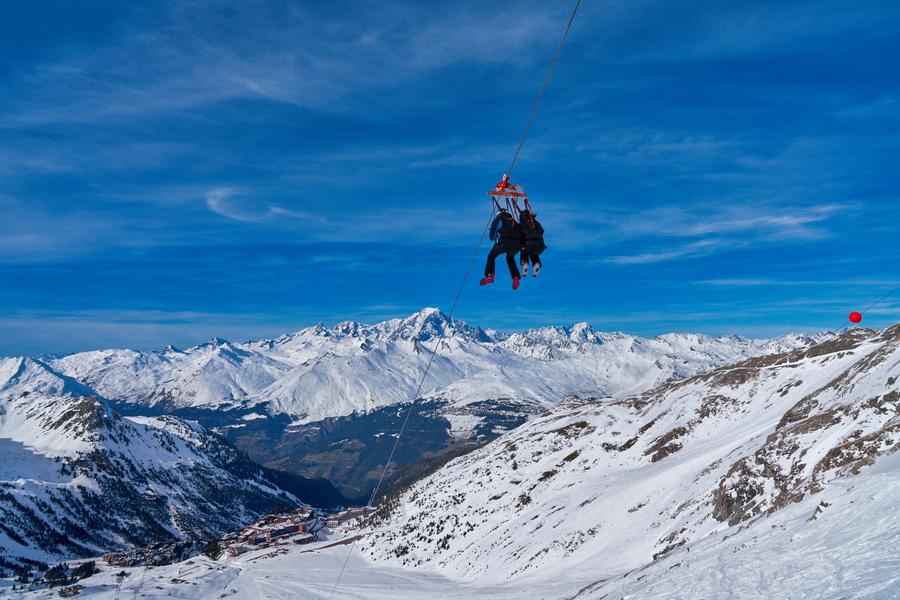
<point x="324" y="372"/>
<point x="598" y="488"/>
<point x="77" y="479"/>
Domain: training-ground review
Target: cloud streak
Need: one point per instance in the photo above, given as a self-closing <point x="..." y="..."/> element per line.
<point x="234" y="204"/>
<point x="198" y="57"/>
<point x="686" y="251"/>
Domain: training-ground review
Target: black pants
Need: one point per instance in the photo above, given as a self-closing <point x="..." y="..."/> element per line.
<point x="532" y="251"/>
<point x="503" y="248"/>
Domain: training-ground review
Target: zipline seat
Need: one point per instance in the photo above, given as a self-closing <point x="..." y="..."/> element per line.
<point x="510" y="193"/>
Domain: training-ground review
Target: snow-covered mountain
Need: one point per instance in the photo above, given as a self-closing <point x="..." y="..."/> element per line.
<point x="596" y="490"/>
<point x="323" y="402"/>
<point x="776" y="478"/>
<point x="77" y="479"/>
<point x="326" y="372"/>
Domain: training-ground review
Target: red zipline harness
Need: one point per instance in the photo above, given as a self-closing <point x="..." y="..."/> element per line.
<point x="511" y="193"/>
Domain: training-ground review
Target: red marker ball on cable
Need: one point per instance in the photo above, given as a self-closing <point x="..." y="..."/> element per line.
<point x="855" y="317"/>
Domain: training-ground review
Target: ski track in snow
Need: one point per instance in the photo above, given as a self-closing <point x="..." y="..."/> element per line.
<point x="849" y="551"/>
<point x="299" y="574"/>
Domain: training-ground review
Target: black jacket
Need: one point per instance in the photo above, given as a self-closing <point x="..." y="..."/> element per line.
<point x="505" y="229"/>
<point x="532" y="232"/>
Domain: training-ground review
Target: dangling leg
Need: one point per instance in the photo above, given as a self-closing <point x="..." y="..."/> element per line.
<point x="489" y="268"/>
<point x="513" y="269"/>
<point x="535" y="253"/>
<point x="523" y="261"/>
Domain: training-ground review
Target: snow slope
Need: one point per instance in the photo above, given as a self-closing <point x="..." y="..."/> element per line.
<point x="26" y="420"/>
<point x="847" y="552"/>
<point x="612" y="484"/>
<point x="77" y="479"/>
<point x="325" y="372"/>
<point x="837" y="545"/>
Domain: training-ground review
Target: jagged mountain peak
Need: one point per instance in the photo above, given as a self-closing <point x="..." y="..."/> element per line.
<point x="582" y="329"/>
<point x="582" y="332"/>
<point x="422" y="326"/>
<point x="428" y="324"/>
<point x="50" y="413"/>
<point x="217" y="346"/>
<point x="215" y="343"/>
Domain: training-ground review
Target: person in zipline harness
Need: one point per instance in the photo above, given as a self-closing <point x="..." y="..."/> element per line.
<point x="507" y="238"/>
<point x="532" y="243"/>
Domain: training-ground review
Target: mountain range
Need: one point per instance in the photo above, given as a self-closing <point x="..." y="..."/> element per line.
<point x="114" y="448"/>
<point x="325" y="401"/>
<point x="323" y="372"/>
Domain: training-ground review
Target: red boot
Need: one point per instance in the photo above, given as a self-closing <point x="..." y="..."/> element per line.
<point x="487" y="279"/>
<point x="516" y="282"/>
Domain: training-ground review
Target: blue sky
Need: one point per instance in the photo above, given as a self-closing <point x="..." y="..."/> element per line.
<point x="173" y="171"/>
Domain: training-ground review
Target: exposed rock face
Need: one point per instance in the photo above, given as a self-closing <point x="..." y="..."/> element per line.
<point x="836" y="430"/>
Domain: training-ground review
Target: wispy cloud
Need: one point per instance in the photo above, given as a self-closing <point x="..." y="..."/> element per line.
<point x="195" y="57"/>
<point x="763" y="220"/>
<point x="34" y="234"/>
<point x="671" y="233"/>
<point x="234" y="204"/>
<point x="42" y="156"/>
<point x="685" y="251"/>
<point x="692" y="31"/>
<point x="372" y="222"/>
<point x="740" y="282"/>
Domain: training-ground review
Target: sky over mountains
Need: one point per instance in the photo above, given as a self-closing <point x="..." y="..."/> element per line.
<point x="177" y="170"/>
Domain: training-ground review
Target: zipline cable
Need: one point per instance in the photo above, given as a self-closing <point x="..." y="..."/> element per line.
<point x="540" y="96"/>
<point x="409" y="410"/>
<point x="434" y="350"/>
<point x="837" y="333"/>
<point x="459" y="291"/>
<point x="880" y="300"/>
